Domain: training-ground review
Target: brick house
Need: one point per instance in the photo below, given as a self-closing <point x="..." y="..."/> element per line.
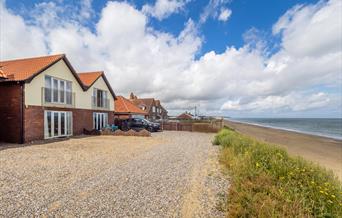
<point x="43" y="97"/>
<point x="125" y="109"/>
<point x="185" y="116"/>
<point x="153" y="108"/>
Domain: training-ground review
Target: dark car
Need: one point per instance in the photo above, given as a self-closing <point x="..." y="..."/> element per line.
<point x="139" y="124"/>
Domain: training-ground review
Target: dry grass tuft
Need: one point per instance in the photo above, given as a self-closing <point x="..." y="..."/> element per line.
<point x="267" y="182"/>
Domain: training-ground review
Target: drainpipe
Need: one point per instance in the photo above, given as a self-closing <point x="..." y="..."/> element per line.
<point x="22" y="132"/>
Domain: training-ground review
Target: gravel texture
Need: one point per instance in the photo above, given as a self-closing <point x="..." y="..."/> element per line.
<point x="171" y="174"/>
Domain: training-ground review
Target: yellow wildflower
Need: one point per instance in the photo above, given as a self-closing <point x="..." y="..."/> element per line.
<point x="321" y="191"/>
<point x="333" y="196"/>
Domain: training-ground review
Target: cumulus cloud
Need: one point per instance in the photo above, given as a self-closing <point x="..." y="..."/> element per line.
<point x="292" y="101"/>
<point x="164" y="8"/>
<point x="138" y="58"/>
<point x="312" y="30"/>
<point x="18" y="36"/>
<point x="225" y="14"/>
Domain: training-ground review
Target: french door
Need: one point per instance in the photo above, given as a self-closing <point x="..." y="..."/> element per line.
<point x="100" y="120"/>
<point x="57" y="124"/>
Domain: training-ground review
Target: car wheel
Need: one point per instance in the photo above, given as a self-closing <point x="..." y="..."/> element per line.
<point x="150" y="129"/>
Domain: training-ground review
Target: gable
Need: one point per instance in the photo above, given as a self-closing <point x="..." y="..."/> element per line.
<point x="59" y="70"/>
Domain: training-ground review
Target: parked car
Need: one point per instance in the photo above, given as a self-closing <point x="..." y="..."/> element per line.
<point x="139" y="123"/>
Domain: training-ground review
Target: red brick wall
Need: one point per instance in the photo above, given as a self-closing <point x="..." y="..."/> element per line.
<point x="34" y="120"/>
<point x="33" y="123"/>
<point x="10" y="112"/>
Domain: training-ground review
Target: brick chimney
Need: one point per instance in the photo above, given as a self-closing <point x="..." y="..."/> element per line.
<point x="131" y="96"/>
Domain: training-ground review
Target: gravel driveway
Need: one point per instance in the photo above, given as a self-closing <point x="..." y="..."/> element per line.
<point x="171" y="174"/>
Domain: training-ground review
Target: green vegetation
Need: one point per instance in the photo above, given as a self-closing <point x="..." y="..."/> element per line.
<point x="267" y="182"/>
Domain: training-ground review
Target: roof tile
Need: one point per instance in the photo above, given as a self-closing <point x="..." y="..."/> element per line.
<point x="23" y="69"/>
<point x="88" y="78"/>
<point x="123" y="105"/>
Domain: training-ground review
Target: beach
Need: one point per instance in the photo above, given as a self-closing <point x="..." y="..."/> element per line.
<point x="327" y="152"/>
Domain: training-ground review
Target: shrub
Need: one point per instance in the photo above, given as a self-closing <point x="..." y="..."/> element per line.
<point x="267" y="182"/>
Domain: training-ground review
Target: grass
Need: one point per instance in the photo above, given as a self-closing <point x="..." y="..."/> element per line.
<point x="267" y="182"/>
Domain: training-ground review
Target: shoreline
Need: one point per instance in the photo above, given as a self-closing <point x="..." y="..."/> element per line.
<point x="286" y="129"/>
<point x="325" y="151"/>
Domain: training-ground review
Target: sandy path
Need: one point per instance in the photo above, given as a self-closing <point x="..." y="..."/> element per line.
<point x="325" y="151"/>
<point x="172" y="174"/>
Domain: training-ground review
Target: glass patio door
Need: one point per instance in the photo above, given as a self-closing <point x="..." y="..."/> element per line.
<point x="100" y="120"/>
<point x="57" y="124"/>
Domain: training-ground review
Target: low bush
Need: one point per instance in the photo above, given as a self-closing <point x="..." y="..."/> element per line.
<point x="267" y="182"/>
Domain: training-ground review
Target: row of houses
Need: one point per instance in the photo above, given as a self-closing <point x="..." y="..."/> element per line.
<point x="44" y="97"/>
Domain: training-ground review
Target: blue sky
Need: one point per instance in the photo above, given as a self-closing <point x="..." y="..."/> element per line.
<point x="227" y="57"/>
<point x="217" y="36"/>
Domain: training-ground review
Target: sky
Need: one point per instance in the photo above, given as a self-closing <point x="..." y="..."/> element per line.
<point x="237" y="58"/>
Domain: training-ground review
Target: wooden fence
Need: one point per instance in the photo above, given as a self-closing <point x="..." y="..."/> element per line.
<point x="210" y="126"/>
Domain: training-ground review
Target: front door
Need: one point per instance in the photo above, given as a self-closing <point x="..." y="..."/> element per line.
<point x="57" y="124"/>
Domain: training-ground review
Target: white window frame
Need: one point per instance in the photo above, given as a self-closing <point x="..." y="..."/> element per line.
<point x="104" y="98"/>
<point x="100" y="120"/>
<point x="68" y="127"/>
<point x="52" y="88"/>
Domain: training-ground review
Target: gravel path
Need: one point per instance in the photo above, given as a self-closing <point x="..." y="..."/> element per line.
<point x="172" y="174"/>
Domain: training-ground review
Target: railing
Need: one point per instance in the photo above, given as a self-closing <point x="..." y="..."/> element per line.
<point x="100" y="104"/>
<point x="55" y="97"/>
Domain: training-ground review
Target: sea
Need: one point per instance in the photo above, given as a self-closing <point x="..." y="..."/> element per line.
<point x="327" y="127"/>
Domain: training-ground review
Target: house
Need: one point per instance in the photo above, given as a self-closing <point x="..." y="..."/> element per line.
<point x="125" y="109"/>
<point x="185" y="116"/>
<point x="153" y="107"/>
<point x="44" y="97"/>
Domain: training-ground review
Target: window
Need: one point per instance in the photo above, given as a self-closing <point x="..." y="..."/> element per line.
<point x="100" y="98"/>
<point x="100" y="120"/>
<point x="58" y="91"/>
<point x="68" y="93"/>
<point x="57" y="124"/>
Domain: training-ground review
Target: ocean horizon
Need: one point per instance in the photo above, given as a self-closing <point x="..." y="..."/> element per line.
<point x="326" y="127"/>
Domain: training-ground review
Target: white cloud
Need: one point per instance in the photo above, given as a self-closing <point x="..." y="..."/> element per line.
<point x="225" y="14"/>
<point x="18" y="36"/>
<point x="312" y="30"/>
<point x="213" y="10"/>
<point x="138" y="58"/>
<point x="164" y="8"/>
<point x="293" y="101"/>
<point x="86" y="11"/>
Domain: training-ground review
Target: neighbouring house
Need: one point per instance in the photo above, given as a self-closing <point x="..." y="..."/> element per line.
<point x="44" y="97"/>
<point x="125" y="109"/>
<point x="153" y="108"/>
<point x="185" y="116"/>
